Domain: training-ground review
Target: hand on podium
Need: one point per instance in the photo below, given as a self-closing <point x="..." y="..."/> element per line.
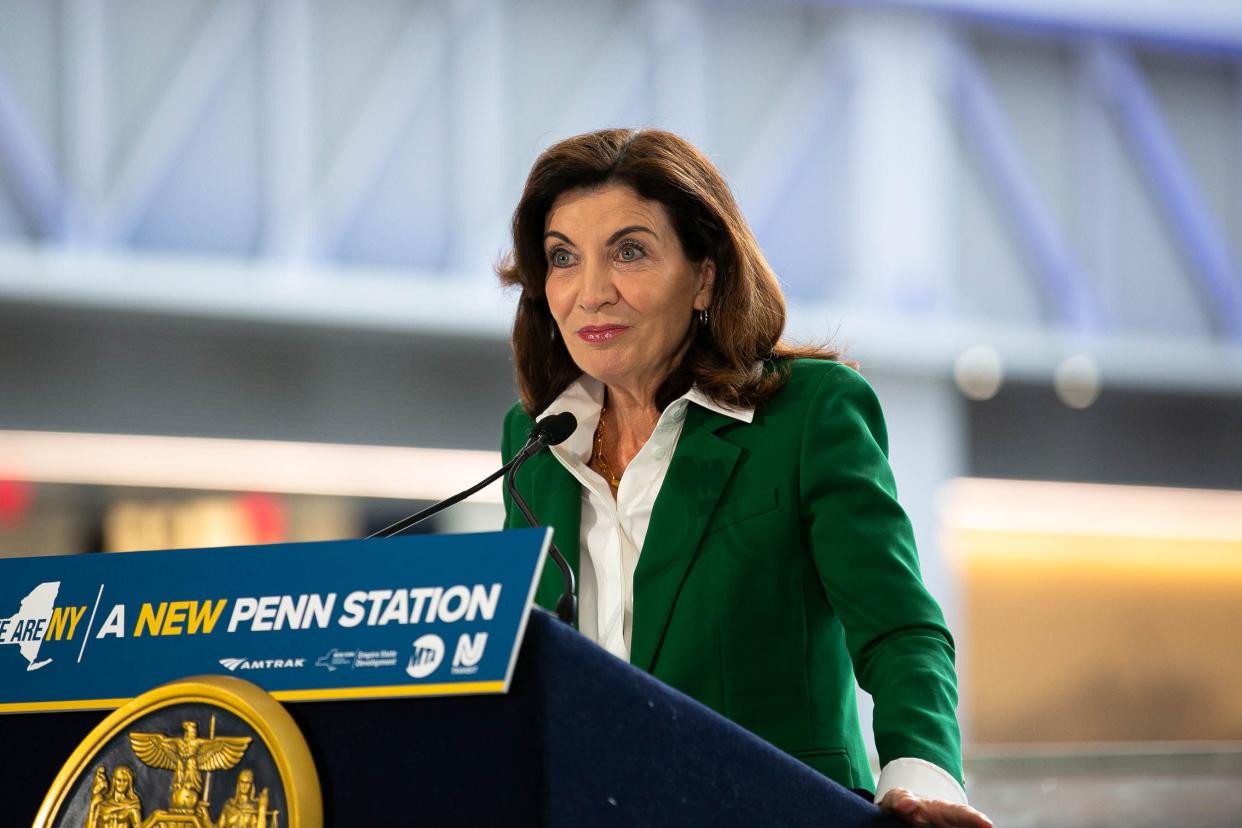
<point x="917" y="810"/>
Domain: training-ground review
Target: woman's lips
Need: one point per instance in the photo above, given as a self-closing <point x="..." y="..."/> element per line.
<point x="601" y="333"/>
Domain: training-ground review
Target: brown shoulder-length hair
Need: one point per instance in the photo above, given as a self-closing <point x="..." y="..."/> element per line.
<point x="747" y="313"/>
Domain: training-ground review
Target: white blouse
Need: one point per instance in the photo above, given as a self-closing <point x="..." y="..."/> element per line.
<point x="613" y="531"/>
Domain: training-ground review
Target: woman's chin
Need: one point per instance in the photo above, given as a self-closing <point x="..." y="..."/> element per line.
<point x="604" y="363"/>
<point x="615" y="373"/>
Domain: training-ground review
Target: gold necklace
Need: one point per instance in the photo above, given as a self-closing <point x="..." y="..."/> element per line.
<point x="601" y="460"/>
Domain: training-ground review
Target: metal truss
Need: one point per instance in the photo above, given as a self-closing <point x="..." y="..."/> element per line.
<point x="1122" y="87"/>
<point x="93" y="189"/>
<point x="1018" y="198"/>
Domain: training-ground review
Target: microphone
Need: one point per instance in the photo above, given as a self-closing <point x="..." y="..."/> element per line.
<point x="549" y="431"/>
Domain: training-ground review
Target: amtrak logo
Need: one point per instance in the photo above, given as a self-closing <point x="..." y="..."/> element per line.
<point x="428" y="653"/>
<point x="235" y="664"/>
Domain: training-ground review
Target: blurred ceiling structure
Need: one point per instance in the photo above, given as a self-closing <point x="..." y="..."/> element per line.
<point x="1054" y="177"/>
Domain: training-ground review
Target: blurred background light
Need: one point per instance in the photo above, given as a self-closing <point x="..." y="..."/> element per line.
<point x="1098" y="613"/>
<point x="246" y="465"/>
<point x="1077" y="381"/>
<point x="978" y="372"/>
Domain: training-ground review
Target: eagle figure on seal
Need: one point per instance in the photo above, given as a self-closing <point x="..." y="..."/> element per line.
<point x="188" y="757"/>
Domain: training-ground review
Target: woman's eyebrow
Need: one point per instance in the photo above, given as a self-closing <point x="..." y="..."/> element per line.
<point x="633" y="228"/>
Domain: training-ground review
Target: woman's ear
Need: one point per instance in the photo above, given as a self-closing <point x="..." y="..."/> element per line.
<point x="706" y="284"/>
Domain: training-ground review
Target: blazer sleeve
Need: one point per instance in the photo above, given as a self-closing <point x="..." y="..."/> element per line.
<point x="863" y="546"/>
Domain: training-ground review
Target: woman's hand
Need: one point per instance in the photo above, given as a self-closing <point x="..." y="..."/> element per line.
<point x="915" y="810"/>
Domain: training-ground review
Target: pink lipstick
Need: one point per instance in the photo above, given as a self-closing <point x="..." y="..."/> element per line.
<point x="597" y="334"/>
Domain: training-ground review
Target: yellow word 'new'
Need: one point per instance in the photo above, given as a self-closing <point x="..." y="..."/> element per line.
<point x="172" y="617"/>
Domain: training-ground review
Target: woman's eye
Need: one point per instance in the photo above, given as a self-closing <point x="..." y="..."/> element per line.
<point x="630" y="251"/>
<point x="561" y="258"/>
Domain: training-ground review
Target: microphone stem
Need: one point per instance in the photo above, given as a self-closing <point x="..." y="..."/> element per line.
<point x="406" y="522"/>
<point x="567" y="605"/>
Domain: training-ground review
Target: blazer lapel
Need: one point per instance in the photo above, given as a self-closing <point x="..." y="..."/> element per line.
<point x="700" y="469"/>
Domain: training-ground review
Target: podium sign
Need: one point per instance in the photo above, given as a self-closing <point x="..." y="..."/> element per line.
<point x="408" y="616"/>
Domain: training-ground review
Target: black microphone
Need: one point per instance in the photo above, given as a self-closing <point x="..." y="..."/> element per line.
<point x="549" y="431"/>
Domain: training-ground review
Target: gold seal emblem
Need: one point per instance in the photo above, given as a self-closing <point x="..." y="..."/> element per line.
<point x="147" y="766"/>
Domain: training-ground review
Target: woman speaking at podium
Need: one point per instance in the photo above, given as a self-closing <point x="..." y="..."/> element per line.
<point x="726" y="500"/>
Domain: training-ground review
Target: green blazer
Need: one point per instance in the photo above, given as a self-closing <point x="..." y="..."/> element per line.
<point x="777" y="568"/>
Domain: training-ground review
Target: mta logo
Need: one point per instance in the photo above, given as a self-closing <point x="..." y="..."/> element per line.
<point x="428" y="653"/>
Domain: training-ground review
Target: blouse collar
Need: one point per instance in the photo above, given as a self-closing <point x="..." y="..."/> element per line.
<point x="584" y="398"/>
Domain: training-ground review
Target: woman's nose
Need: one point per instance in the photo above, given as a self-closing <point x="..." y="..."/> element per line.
<point x="598" y="288"/>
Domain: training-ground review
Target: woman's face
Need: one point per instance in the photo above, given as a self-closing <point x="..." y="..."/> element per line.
<point x="619" y="286"/>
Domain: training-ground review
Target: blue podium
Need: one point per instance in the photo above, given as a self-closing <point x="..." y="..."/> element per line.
<point x="579" y="738"/>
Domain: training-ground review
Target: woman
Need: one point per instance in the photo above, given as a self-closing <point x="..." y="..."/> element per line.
<point x="776" y="564"/>
<point x="121" y="808"/>
<point x="243" y="809"/>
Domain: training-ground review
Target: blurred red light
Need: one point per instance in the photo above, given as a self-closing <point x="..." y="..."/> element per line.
<point x="15" y="499"/>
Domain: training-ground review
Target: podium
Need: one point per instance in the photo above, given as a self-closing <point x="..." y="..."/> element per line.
<point x="581" y="739"/>
<point x="420" y="688"/>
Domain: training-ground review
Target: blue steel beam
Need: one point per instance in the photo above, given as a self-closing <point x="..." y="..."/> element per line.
<point x="793" y="124"/>
<point x="1121" y="84"/>
<point x="379" y="123"/>
<point x="984" y="127"/>
<point x="213" y="49"/>
<point x="39" y="194"/>
<point x="1179" y="29"/>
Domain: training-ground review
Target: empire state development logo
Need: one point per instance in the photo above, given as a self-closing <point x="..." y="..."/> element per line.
<point x="27" y="627"/>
